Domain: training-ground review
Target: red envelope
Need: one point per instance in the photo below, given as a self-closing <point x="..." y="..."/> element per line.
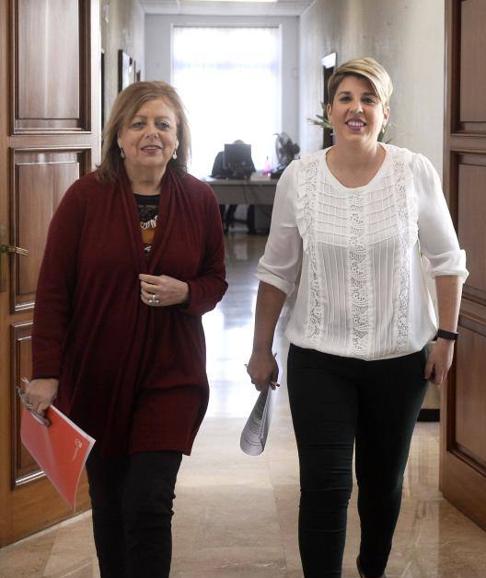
<point x="61" y="450"/>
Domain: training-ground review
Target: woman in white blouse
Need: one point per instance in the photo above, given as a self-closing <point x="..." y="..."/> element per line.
<point x="350" y="227"/>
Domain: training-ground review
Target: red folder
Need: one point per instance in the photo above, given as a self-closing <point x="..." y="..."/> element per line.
<point x="61" y="449"/>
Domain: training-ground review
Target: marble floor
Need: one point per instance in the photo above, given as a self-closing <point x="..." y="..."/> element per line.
<point x="236" y="516"/>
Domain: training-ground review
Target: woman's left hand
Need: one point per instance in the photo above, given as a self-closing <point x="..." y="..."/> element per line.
<point x="439" y="361"/>
<point x="162" y="290"/>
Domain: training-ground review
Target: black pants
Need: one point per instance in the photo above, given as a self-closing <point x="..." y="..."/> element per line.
<point x="335" y="402"/>
<point x="132" y="501"/>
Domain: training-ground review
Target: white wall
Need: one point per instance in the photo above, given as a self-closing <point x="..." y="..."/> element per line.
<point x="407" y="37"/>
<point x="158" y="53"/>
<point x="122" y="27"/>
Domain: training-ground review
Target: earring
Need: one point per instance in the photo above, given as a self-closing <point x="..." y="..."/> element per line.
<point x="122" y="153"/>
<point x="174" y="154"/>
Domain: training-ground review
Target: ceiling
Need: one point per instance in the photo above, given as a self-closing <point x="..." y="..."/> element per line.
<point x="279" y="8"/>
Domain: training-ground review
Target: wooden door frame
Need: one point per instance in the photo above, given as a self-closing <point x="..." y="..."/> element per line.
<point x="17" y="501"/>
<point x="5" y="400"/>
<point x="461" y="480"/>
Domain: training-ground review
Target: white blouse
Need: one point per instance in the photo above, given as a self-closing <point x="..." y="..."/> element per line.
<point x="351" y="258"/>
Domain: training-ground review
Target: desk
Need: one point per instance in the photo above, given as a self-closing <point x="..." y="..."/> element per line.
<point x="242" y="192"/>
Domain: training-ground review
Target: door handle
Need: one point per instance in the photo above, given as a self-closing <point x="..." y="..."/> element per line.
<point x="8" y="250"/>
<point x="12" y="249"/>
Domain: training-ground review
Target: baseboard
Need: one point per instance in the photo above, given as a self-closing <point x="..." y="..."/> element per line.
<point x="429" y="415"/>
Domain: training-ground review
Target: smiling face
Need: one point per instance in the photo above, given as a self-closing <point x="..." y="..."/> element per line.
<point x="356" y="113"/>
<point x="149" y="139"/>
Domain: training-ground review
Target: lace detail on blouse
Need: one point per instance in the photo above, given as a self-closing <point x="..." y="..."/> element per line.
<point x="406" y="220"/>
<point x="306" y="202"/>
<point x="355" y="228"/>
<point x="359" y="274"/>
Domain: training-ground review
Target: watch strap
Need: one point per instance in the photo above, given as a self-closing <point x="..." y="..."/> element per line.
<point x="449" y="335"/>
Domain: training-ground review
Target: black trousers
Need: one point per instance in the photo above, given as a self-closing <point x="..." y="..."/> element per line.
<point x="335" y="403"/>
<point x="131" y="500"/>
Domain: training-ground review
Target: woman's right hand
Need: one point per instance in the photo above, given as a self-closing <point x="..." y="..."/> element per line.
<point x="38" y="394"/>
<point x="263" y="370"/>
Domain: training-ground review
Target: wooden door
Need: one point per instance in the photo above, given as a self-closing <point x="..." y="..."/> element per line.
<point x="49" y="136"/>
<point x="463" y="411"/>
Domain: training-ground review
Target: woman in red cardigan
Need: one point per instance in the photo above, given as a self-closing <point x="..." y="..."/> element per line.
<point x="134" y="258"/>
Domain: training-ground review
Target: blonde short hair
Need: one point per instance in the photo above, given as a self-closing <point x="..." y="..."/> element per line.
<point x="126" y="105"/>
<point x="367" y="68"/>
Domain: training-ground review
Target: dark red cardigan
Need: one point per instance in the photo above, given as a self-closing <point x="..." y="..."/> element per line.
<point x="131" y="375"/>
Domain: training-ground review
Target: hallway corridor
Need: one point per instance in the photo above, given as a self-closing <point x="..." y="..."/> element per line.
<point x="236" y="516"/>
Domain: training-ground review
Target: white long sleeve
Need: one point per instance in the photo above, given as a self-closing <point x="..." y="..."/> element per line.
<point x="438" y="240"/>
<point x="280" y="265"/>
<point x="352" y="255"/>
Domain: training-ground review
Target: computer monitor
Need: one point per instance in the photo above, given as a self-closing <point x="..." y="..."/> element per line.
<point x="237" y="160"/>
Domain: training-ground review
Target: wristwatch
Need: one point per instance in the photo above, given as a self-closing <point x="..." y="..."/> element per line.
<point x="449" y="335"/>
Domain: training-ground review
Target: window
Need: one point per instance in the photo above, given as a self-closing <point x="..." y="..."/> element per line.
<point x="229" y="81"/>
